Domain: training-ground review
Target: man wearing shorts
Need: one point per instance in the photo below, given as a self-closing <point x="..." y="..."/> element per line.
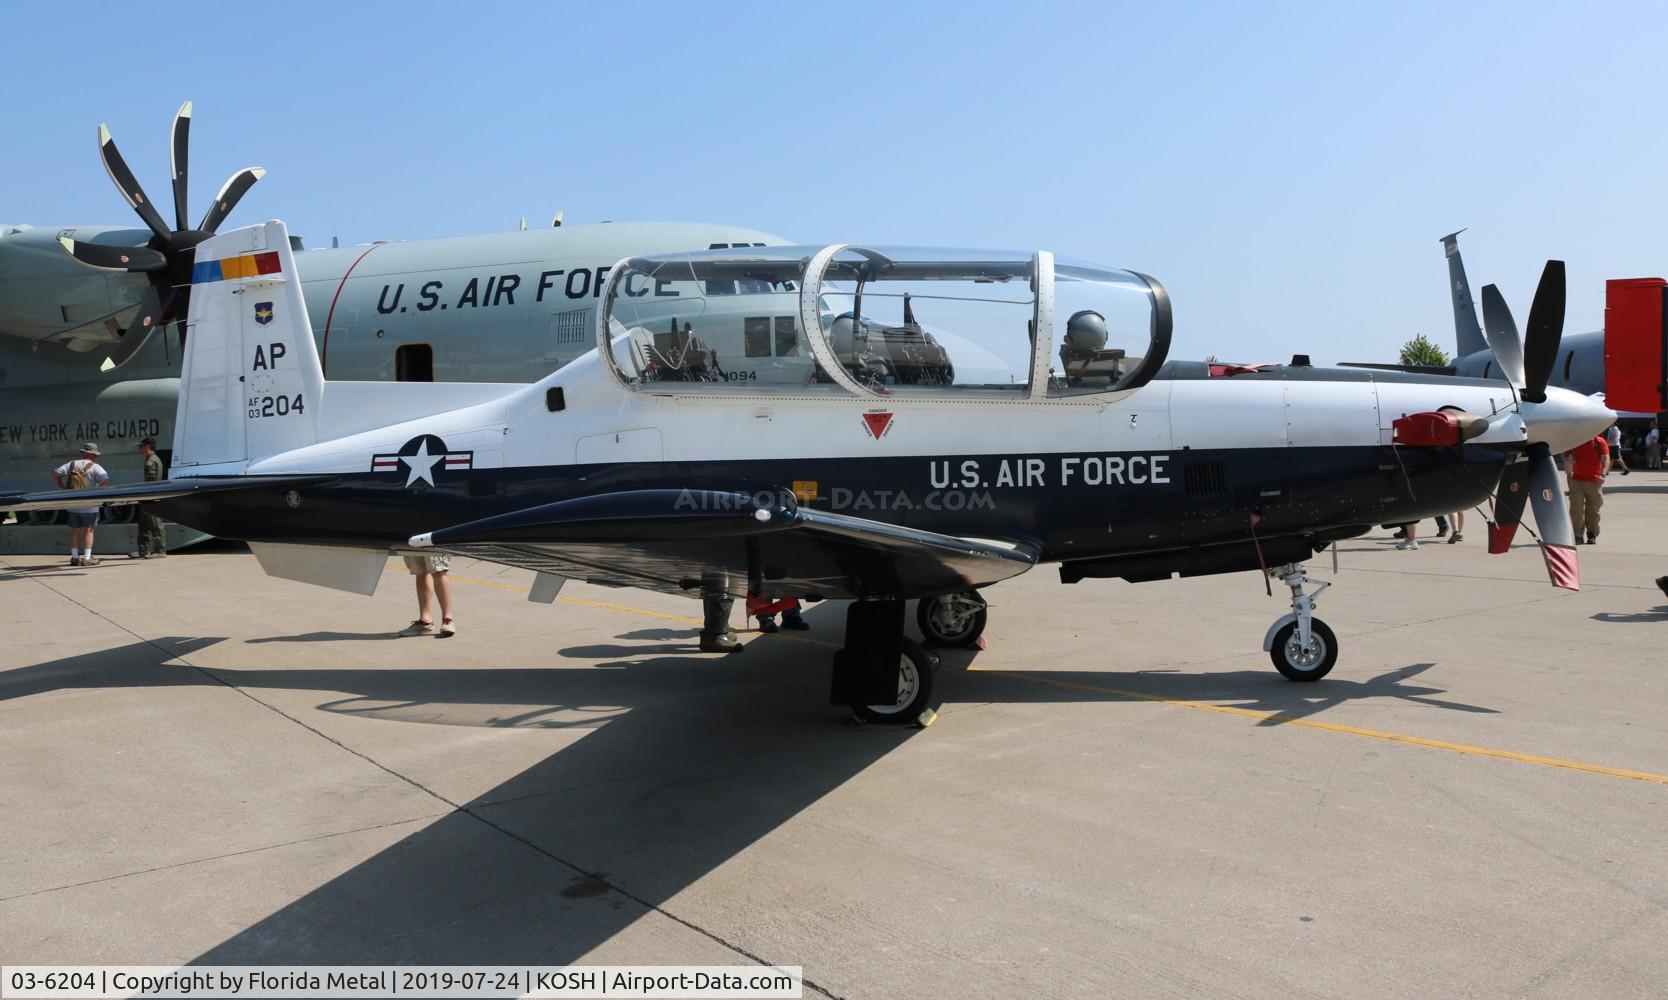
<point x="430" y="571"/>
<point x="83" y="518"/>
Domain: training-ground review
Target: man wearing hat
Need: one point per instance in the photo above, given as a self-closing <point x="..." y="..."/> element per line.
<point x="82" y="474"/>
<point x="151" y="542"/>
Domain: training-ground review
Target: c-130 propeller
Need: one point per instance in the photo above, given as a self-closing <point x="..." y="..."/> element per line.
<point x="170" y="254"/>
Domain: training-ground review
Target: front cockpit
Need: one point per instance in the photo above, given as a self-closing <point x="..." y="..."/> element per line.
<point x="892" y="322"/>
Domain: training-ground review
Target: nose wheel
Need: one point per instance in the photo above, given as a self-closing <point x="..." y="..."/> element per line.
<point x="1302" y="647"/>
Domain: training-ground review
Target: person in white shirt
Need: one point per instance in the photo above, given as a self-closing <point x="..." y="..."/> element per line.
<point x="1653" y="448"/>
<point x="82" y="473"/>
<point x="1613" y="437"/>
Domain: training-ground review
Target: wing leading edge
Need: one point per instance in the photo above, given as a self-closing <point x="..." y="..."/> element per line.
<point x="166" y="489"/>
<point x="684" y="541"/>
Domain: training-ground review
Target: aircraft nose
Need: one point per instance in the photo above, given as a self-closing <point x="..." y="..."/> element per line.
<point x="1566" y="419"/>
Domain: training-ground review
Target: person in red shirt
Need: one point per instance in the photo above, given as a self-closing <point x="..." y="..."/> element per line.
<point x="1588" y="465"/>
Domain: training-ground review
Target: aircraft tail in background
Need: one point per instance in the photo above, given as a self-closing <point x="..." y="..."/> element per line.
<point x="252" y="385"/>
<point x="1468" y="335"/>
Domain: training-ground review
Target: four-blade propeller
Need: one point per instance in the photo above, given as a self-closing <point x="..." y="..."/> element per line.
<point x="169" y="256"/>
<point x="1528" y="364"/>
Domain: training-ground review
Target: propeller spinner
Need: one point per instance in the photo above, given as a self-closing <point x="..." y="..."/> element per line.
<point x="170" y="254"/>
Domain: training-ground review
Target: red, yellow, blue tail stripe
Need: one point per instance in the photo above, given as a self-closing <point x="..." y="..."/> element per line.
<point x="247" y="265"/>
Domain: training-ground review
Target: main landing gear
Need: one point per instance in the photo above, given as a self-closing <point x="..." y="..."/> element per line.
<point x="1301" y="645"/>
<point x="880" y="673"/>
<point x="953" y="619"/>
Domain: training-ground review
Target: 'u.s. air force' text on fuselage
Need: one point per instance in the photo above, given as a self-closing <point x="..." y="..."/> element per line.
<point x="500" y="289"/>
<point x="1068" y="470"/>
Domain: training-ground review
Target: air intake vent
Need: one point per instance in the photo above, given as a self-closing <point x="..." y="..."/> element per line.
<point x="1206" y="479"/>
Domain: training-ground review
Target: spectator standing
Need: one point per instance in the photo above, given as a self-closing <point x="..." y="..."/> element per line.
<point x="151" y="540"/>
<point x="83" y="473"/>
<point x="1613" y="437"/>
<point x="1588" y="464"/>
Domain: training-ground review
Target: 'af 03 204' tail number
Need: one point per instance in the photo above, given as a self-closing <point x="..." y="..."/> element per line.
<point x="275" y="406"/>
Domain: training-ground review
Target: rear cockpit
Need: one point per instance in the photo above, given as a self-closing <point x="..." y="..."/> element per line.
<point x="895" y="322"/>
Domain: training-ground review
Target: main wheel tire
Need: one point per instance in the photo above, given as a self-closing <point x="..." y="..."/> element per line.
<point x="952" y="619"/>
<point x="915" y="669"/>
<point x="1297" y="664"/>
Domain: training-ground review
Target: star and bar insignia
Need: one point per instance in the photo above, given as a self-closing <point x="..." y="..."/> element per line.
<point x="421" y="456"/>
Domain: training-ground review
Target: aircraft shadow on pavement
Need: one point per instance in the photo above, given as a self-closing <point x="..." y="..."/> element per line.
<point x="1660" y="614"/>
<point x="1611" y="487"/>
<point x="326" y="637"/>
<point x="687" y="762"/>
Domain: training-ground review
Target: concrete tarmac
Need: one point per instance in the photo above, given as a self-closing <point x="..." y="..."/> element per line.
<point x="1120" y="797"/>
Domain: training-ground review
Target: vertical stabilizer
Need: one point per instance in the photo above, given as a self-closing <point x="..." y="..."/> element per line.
<point x="251" y="385"/>
<point x="1468" y="336"/>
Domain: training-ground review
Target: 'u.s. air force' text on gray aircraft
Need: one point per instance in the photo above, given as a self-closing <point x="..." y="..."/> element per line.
<point x="875" y="472"/>
<point x="503" y="307"/>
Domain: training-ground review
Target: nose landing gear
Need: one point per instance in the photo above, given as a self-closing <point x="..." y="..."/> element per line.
<point x="1302" y="647"/>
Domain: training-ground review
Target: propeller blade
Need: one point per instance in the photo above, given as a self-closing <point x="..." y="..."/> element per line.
<point x="1502" y="335"/>
<point x="114" y="258"/>
<point x="1552" y="516"/>
<point x="145" y="323"/>
<point x="128" y="185"/>
<point x="227" y="199"/>
<point x="1508" y="507"/>
<point x="180" y="155"/>
<point x="1546" y="329"/>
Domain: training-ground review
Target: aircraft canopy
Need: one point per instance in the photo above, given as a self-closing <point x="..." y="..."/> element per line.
<point x="880" y="321"/>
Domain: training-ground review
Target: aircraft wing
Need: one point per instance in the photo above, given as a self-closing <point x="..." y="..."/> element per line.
<point x="684" y="541"/>
<point x="165" y="489"/>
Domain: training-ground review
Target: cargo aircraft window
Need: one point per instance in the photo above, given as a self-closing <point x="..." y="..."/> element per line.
<point x="757" y="331"/>
<point x="414" y="363"/>
<point x="787" y="339"/>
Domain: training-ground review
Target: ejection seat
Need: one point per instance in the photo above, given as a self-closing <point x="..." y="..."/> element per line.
<point x="679" y="356"/>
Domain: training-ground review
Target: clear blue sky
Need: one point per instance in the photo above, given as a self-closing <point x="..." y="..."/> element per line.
<point x="1285" y="172"/>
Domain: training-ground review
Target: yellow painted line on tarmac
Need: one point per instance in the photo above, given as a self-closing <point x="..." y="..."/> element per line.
<point x="1333" y="727"/>
<point x="1197" y="706"/>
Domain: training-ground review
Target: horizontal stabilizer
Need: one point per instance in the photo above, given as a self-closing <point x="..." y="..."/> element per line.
<point x="166" y="489"/>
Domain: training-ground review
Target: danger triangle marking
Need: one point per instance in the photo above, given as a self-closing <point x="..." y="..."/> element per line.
<point x="878" y="424"/>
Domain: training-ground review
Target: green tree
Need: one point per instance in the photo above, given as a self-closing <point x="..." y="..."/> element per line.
<point x="1421" y="351"/>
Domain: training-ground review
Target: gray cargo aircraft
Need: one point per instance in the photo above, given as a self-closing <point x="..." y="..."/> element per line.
<point x="1635" y="339"/>
<point x="80" y="307"/>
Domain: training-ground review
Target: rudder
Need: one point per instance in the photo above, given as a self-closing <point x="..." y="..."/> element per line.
<point x="252" y="385"/>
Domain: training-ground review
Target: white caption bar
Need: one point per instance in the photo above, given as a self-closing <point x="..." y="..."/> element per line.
<point x="465" y="981"/>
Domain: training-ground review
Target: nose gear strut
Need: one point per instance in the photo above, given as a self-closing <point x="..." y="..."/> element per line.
<point x="1302" y="647"/>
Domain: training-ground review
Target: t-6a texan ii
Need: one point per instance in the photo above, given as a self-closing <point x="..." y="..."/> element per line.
<point x="874" y="461"/>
